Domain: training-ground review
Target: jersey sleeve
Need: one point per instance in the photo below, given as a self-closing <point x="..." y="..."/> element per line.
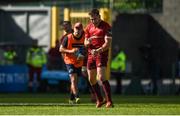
<point x="86" y="30"/>
<point x="108" y="30"/>
<point x="65" y="42"/>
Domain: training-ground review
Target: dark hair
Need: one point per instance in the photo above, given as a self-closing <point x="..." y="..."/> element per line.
<point x="94" y="12"/>
<point x="65" y="23"/>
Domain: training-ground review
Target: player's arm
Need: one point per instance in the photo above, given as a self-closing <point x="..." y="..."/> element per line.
<point x="63" y="47"/>
<point x="87" y="42"/>
<point x="107" y="43"/>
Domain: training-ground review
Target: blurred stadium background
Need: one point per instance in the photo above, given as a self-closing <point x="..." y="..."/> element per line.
<point x="136" y="25"/>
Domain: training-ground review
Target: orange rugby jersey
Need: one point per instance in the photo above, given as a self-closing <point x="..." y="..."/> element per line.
<point x="73" y="43"/>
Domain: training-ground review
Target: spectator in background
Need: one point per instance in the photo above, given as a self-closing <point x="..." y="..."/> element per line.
<point x="118" y="67"/>
<point x="9" y="55"/>
<point x="150" y="55"/>
<point x="35" y="59"/>
<point x="178" y="71"/>
<point x="98" y="37"/>
<point x="1" y="55"/>
<point x="55" y="61"/>
<point x="67" y="27"/>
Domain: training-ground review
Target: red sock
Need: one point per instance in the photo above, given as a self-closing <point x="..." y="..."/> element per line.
<point x="97" y="91"/>
<point x="107" y="90"/>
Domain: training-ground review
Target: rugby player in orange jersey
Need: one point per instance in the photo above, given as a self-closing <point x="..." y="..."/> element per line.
<point x="73" y="58"/>
<point x="98" y="37"/>
<point x="67" y="27"/>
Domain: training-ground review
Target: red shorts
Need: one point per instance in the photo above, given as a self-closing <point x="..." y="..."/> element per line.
<point x="97" y="61"/>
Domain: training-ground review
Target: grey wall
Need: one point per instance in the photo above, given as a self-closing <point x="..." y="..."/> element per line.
<point x="170" y="18"/>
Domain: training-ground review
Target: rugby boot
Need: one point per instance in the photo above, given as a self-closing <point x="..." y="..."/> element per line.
<point x="77" y="100"/>
<point x="71" y="102"/>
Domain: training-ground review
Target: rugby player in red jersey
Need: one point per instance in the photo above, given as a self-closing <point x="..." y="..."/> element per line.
<point x="98" y="37"/>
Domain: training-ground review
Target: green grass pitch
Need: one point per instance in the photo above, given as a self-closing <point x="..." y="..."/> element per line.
<point x="57" y="104"/>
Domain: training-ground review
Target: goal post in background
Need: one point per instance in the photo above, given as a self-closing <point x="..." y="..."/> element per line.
<point x="54" y="25"/>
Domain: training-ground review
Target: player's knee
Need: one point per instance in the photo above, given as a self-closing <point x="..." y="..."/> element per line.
<point x="73" y="79"/>
<point x="92" y="81"/>
<point x="101" y="78"/>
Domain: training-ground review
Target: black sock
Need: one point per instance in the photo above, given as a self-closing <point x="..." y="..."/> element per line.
<point x="76" y="95"/>
<point x="72" y="96"/>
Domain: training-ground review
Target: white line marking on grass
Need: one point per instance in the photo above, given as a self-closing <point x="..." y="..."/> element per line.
<point x="43" y="104"/>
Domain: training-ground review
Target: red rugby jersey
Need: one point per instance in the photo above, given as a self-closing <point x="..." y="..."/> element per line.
<point x="97" y="33"/>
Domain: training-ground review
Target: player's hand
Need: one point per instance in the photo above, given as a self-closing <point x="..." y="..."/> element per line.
<point x="74" y="50"/>
<point x="88" y="41"/>
<point x="94" y="52"/>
